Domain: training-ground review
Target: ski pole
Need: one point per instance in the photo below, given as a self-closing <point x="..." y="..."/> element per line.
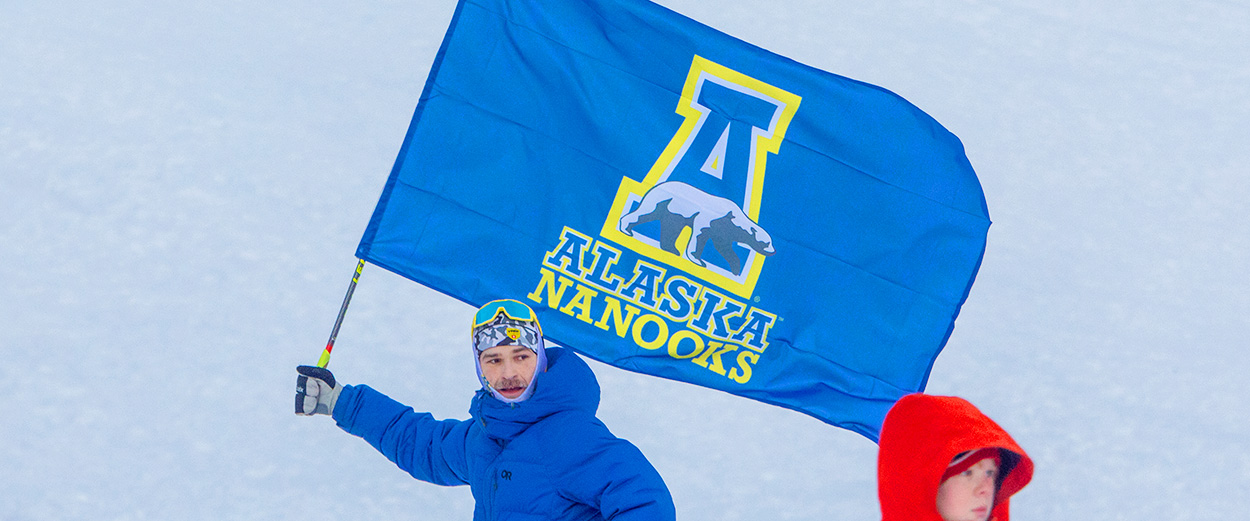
<point x="325" y="355"/>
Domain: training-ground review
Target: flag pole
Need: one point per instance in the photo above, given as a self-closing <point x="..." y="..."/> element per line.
<point x="325" y="355"/>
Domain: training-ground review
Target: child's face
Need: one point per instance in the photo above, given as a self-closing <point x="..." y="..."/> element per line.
<point x="969" y="495"/>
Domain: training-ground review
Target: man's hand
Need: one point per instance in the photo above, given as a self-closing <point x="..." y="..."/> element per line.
<point x="315" y="391"/>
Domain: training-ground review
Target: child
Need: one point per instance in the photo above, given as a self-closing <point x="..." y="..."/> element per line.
<point x="941" y="459"/>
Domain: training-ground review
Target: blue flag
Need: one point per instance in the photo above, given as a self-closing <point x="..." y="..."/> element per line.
<point x="677" y="202"/>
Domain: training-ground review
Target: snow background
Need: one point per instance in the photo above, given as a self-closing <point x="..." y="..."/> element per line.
<point x="183" y="185"/>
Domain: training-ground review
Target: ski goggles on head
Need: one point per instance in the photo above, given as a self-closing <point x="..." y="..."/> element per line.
<point x="508" y="333"/>
<point x="510" y="309"/>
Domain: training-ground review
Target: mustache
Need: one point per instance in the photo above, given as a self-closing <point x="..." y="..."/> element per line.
<point x="507" y="383"/>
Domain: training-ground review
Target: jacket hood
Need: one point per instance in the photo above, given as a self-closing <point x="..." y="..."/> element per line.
<point x="919" y="438"/>
<point x="529" y="336"/>
<point x="567" y="385"/>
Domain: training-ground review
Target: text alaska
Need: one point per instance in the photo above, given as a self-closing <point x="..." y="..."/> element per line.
<point x="656" y="308"/>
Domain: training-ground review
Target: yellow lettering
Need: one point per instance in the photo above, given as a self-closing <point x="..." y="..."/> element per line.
<point x="675" y="342"/>
<point x="554" y="294"/>
<point x="581" y="303"/>
<point x="661" y="336"/>
<point x="569" y="254"/>
<point x="713" y="353"/>
<point x="620" y="321"/>
<point x="745" y="375"/>
<point x="755" y="329"/>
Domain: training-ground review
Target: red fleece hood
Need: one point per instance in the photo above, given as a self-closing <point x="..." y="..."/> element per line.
<point x="920" y="436"/>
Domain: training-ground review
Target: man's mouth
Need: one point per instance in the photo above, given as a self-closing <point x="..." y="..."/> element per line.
<point x="511" y="392"/>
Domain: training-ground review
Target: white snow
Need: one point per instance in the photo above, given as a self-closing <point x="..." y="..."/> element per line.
<point x="183" y="185"/>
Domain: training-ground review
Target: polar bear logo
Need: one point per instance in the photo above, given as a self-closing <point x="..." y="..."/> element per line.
<point x="712" y="219"/>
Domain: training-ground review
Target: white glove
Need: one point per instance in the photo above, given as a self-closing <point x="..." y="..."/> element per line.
<point x="315" y="391"/>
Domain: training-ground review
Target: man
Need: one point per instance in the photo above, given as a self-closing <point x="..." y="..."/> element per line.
<point x="533" y="448"/>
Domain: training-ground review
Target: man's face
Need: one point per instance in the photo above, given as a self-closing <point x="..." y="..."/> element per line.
<point x="969" y="495"/>
<point x="508" y="369"/>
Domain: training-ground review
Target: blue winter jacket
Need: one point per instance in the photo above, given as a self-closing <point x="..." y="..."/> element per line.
<point x="546" y="458"/>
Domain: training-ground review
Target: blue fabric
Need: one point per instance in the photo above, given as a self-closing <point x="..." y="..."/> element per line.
<point x="677" y="202"/>
<point x="548" y="457"/>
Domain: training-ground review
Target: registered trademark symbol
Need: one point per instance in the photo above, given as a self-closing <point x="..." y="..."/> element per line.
<point x="757" y="298"/>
